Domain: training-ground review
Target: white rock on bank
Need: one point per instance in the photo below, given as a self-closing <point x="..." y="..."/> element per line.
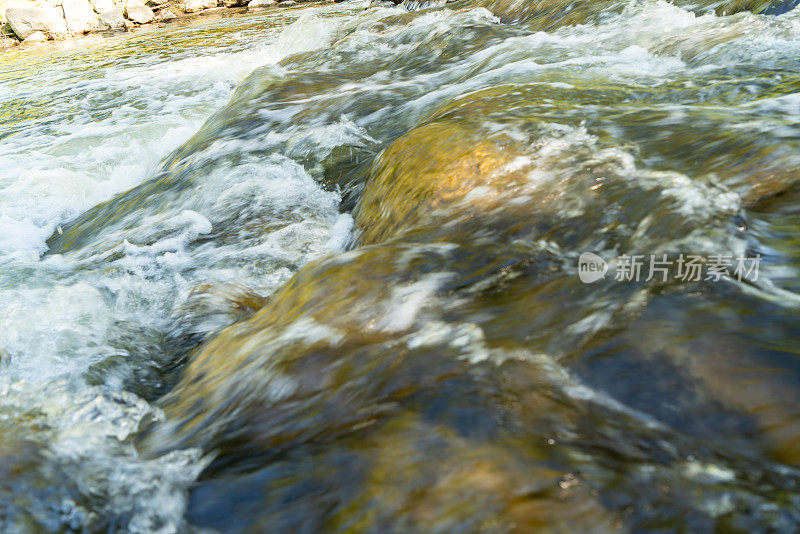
<point x="139" y="13"/>
<point x="262" y="3"/>
<point x="35" y="38"/>
<point x="111" y="20"/>
<point x="80" y="16"/>
<point x="192" y="6"/>
<point x="104" y="6"/>
<point x="287" y="3"/>
<point x="167" y="16"/>
<point x="26" y="20"/>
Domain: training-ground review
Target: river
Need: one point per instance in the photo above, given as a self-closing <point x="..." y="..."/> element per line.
<point x="417" y="268"/>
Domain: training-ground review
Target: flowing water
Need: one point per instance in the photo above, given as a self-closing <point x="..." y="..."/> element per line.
<point x="316" y="269"/>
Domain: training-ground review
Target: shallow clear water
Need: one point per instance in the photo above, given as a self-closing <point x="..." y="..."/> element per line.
<point x="390" y="205"/>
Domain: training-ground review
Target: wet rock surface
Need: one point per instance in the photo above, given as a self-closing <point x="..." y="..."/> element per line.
<point x="349" y="296"/>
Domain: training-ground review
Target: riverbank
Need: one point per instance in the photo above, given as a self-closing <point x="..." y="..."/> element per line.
<point x="34" y="22"/>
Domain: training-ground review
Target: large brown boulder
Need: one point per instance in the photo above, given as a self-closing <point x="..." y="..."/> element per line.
<point x="430" y="169"/>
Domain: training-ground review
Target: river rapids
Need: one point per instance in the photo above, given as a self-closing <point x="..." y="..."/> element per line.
<point x="323" y="269"/>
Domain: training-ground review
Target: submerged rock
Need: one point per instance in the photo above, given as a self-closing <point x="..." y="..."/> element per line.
<point x="209" y="307"/>
<point x="731" y="7"/>
<point x="23" y="459"/>
<point x="420" y="380"/>
<point x="430" y="168"/>
<point x="779" y="8"/>
<point x="261" y="3"/>
<point x="548" y="15"/>
<point x="27" y="20"/>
